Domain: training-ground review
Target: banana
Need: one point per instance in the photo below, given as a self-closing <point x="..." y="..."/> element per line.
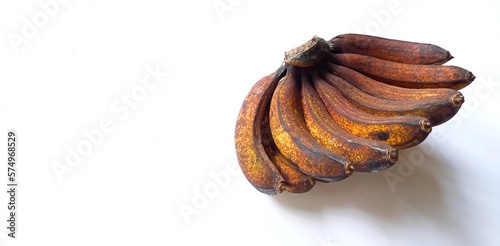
<point x="342" y="106"/>
<point x="294" y="180"/>
<point x="383" y="90"/>
<point x="391" y="49"/>
<point x="406" y="75"/>
<point x="294" y="140"/>
<point x="250" y="151"/>
<point x="366" y="155"/>
<point x="437" y="109"/>
<point x="398" y="131"/>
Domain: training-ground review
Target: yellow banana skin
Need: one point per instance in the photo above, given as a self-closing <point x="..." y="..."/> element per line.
<point x="294" y="181"/>
<point x="366" y="155"/>
<point x="398" y="131"/>
<point x="294" y="140"/>
<point x="252" y="157"/>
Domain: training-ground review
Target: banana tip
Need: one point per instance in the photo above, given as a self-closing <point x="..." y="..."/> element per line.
<point x="457" y="99"/>
<point x="349" y="168"/>
<point x="448" y="56"/>
<point x="392" y="155"/>
<point x="470" y="77"/>
<point x="281" y="187"/>
<point x="426" y="125"/>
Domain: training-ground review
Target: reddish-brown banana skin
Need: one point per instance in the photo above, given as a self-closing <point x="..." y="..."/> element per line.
<point x="406" y="75"/>
<point x="383" y="90"/>
<point x="251" y="154"/>
<point x="294" y="140"/>
<point x="390" y="49"/>
<point x="401" y="132"/>
<point x="386" y="92"/>
<point x="437" y="109"/>
<point x="366" y="155"/>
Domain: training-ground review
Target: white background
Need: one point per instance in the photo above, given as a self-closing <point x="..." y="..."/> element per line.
<point x="160" y="153"/>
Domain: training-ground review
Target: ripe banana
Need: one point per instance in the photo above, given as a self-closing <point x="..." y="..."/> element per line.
<point x="437" y="109"/>
<point x="294" y="181"/>
<point x="383" y="90"/>
<point x="295" y="141"/>
<point x="250" y="150"/>
<point x="406" y="75"/>
<point x="366" y="155"/>
<point x="391" y="49"/>
<point x="342" y="106"/>
<point x="398" y="131"/>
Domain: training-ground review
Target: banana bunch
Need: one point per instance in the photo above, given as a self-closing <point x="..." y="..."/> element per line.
<point x="342" y="106"/>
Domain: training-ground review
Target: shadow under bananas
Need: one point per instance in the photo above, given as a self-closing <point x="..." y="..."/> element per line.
<point x="419" y="198"/>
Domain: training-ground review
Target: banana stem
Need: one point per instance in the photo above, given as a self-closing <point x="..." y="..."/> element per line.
<point x="308" y="54"/>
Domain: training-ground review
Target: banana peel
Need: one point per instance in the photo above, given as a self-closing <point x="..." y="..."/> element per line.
<point x="341" y="106"/>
